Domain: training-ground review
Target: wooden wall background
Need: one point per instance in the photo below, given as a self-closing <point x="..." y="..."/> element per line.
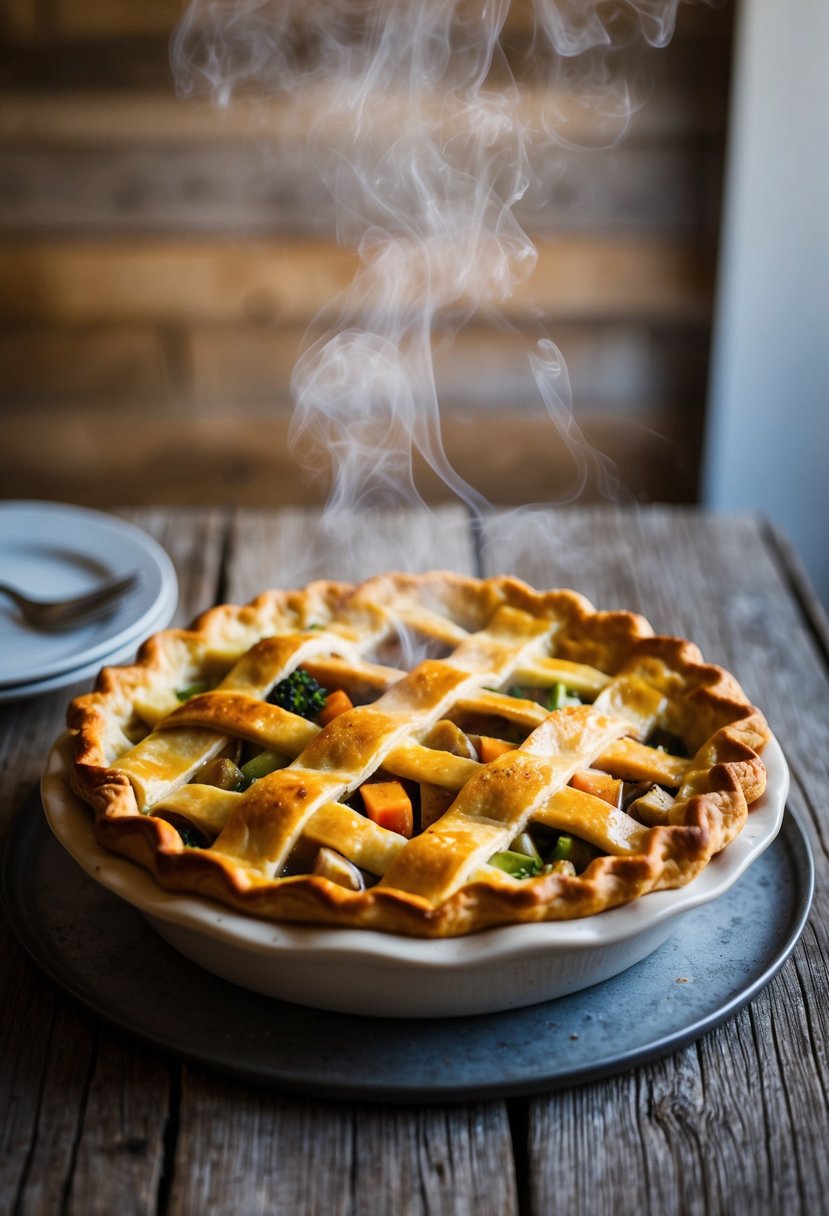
<point x="157" y="272"/>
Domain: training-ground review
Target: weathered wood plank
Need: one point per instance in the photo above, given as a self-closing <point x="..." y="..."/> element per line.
<point x="649" y="279"/>
<point x="296" y="546"/>
<point x="249" y="1151"/>
<point x="510" y="456"/>
<point x="61" y="1082"/>
<point x="456" y="1160"/>
<point x="195" y="543"/>
<point x="761" y="1079"/>
<point x="737" y="1124"/>
<point x="245" y="1150"/>
<point x="26" y="1018"/>
<point x="121" y="1149"/>
<point x="85" y="1115"/>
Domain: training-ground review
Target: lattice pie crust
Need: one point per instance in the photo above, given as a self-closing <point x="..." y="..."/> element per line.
<point x="504" y="647"/>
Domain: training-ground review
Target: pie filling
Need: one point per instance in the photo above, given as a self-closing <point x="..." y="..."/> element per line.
<point x="421" y="755"/>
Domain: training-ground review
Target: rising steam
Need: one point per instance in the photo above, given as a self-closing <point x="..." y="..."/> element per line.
<point x="426" y="142"/>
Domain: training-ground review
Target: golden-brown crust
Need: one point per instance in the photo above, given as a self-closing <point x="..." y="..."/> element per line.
<point x="705" y="705"/>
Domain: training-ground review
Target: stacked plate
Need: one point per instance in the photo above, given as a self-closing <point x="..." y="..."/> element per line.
<point x="52" y="551"/>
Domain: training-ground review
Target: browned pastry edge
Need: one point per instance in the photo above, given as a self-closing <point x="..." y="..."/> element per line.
<point x="732" y="730"/>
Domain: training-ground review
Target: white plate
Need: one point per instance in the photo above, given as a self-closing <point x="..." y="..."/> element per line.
<point x="356" y="971"/>
<point x="121" y="654"/>
<point x="53" y="551"/>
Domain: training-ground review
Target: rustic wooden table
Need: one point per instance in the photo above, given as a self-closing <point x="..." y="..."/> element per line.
<point x="738" y="1122"/>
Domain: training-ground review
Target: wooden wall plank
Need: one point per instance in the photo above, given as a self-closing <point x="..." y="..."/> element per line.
<point x="288" y="281"/>
<point x="511" y="457"/>
<point x="614" y="366"/>
<point x="82" y="18"/>
<point x="83" y="364"/>
<point x="123" y="204"/>
<point x="21" y="20"/>
<point x="681" y="95"/>
<point x="250" y="188"/>
<point x="617" y="365"/>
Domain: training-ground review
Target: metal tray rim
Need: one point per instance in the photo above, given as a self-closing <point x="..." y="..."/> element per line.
<point x="30" y="823"/>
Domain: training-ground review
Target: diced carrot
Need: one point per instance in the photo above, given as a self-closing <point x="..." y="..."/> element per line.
<point x="336" y="703"/>
<point x="489" y="748"/>
<point x="389" y="806"/>
<point x="600" y="785"/>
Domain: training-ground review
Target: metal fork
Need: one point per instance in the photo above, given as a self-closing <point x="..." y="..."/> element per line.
<point x="66" y="614"/>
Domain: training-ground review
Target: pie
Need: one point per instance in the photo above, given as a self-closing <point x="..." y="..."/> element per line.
<point x="426" y="755"/>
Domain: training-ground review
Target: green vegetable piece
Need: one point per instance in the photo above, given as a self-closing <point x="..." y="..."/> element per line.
<point x="299" y="693"/>
<point x="569" y="848"/>
<point x="260" y="766"/>
<point x="515" y="690"/>
<point x="563" y="849"/>
<point x="559" y="697"/>
<point x="516" y="864"/>
<point x="192" y="690"/>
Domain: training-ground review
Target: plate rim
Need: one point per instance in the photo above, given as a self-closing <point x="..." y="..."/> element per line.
<point x="36" y="688"/>
<point x="124" y="530"/>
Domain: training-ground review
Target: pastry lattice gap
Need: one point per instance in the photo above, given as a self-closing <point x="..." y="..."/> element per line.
<point x="492" y="803"/>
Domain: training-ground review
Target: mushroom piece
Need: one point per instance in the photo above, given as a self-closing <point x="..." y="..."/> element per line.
<point x="652" y="808"/>
<point x="445" y="736"/>
<point x="525" y="844"/>
<point x="332" y="865"/>
<point x="221" y="772"/>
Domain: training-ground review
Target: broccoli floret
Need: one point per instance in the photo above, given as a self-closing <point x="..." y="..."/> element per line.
<point x="299" y="693"/>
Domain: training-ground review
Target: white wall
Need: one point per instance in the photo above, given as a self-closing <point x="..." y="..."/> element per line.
<point x="768" y="436"/>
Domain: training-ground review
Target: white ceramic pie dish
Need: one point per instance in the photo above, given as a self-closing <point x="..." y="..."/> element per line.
<point x="381" y="974"/>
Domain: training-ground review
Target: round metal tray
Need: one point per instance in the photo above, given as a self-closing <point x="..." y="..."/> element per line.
<point x="102" y="952"/>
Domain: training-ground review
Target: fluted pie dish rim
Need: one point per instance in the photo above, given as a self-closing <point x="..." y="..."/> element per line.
<point x="137" y="750"/>
<point x="370" y="973"/>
